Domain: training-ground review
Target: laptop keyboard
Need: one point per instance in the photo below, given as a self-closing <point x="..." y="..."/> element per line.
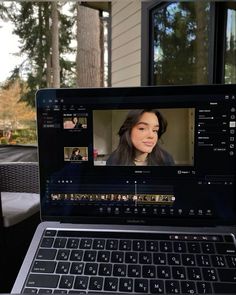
<point x="75" y="262"/>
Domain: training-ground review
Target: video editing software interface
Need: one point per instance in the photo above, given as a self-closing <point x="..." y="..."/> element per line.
<point x="78" y="134"/>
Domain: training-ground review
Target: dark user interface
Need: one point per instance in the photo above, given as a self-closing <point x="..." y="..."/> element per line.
<point x="78" y="135"/>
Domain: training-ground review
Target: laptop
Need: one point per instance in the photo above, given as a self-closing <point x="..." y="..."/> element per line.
<point x="137" y="190"/>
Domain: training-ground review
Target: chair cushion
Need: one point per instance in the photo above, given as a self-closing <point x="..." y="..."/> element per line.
<point x="18" y="206"/>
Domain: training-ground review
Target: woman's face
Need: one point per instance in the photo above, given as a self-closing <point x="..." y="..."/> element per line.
<point x="144" y="134"/>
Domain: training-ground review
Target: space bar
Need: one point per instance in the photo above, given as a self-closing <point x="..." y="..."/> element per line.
<point x="224" y="288"/>
<point x="46" y="281"/>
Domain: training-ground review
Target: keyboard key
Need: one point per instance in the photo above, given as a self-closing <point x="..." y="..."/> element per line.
<point x="81" y="282"/>
<point x="209" y="274"/>
<point x="117" y="257"/>
<point x="44" y="266"/>
<point x="60" y="242"/>
<point x="138" y="246"/>
<point x="152" y="246"/>
<point x="98" y="244"/>
<point x="203" y="288"/>
<point x="149" y="271"/>
<point x="194" y="247"/>
<point x="42" y="281"/>
<point x="90" y="256"/>
<point x="46" y="254"/>
<point x="226" y="248"/>
<point x="30" y="291"/>
<point x="125" y="245"/>
<point x="134" y="270"/>
<point x="145" y="258"/>
<point x="66" y="282"/>
<point x="224" y="288"/>
<point x="119" y="270"/>
<point x="131" y="257"/>
<point x="85" y="244"/>
<point x="63" y="254"/>
<point x="218" y="261"/>
<point x="194" y="273"/>
<point x="229" y="239"/>
<point x="203" y="260"/>
<point x="227" y="275"/>
<point x="76" y="255"/>
<point x="77" y="268"/>
<point x="72" y="243"/>
<point x="178" y="273"/>
<point x="163" y="272"/>
<point x="47" y="242"/>
<point x="126" y="285"/>
<point x="231" y="260"/>
<point x="172" y="287"/>
<point x="103" y="256"/>
<point x="188" y="260"/>
<point x="111" y="245"/>
<point x="208" y="248"/>
<point x="63" y="267"/>
<point x="173" y="259"/>
<point x="166" y="247"/>
<point x="188" y="287"/>
<point x="50" y="233"/>
<point x="141" y="286"/>
<point x="157" y="286"/>
<point x="91" y="269"/>
<point x="111" y="284"/>
<point x="96" y="283"/>
<point x="159" y="258"/>
<point x="179" y="247"/>
<point x="45" y="291"/>
<point x="105" y="270"/>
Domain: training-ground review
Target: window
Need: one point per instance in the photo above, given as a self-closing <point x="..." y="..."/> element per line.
<point x="190" y="42"/>
<point x="230" y="50"/>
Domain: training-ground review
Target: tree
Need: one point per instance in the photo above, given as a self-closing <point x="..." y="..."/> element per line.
<point x="33" y="24"/>
<point x="3" y="12"/>
<point x="230" y="55"/>
<point x="55" y="46"/>
<point x="180" y="43"/>
<point x="88" y="58"/>
<point x="13" y="112"/>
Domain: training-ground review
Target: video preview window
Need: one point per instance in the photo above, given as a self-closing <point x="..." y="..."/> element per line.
<point x="157" y="137"/>
<point x="75" y="121"/>
<point x="76" y="154"/>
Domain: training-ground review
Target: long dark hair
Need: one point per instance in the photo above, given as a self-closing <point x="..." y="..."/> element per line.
<point x="75" y="150"/>
<point x="125" y="152"/>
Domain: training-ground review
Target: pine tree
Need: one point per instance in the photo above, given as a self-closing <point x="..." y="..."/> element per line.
<point x="33" y="25"/>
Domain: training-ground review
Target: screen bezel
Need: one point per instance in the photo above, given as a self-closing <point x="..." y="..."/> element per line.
<point x="120" y="96"/>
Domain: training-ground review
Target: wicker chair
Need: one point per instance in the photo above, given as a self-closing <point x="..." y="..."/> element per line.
<point x="19" y="214"/>
<point x="19" y="177"/>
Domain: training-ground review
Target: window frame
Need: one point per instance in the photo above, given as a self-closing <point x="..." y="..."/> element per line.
<point x="217" y="41"/>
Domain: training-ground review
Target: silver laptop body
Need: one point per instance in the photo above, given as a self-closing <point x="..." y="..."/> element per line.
<point x="166" y="222"/>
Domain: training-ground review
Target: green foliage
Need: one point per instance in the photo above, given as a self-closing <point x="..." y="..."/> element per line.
<point x="32" y="25"/>
<point x="24" y="136"/>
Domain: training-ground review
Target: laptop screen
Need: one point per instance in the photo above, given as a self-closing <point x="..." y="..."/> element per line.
<point x="139" y="155"/>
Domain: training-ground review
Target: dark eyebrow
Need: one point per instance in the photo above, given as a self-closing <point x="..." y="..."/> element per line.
<point x="144" y="123"/>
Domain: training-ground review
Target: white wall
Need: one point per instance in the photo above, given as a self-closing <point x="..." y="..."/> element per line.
<point x="126" y="43"/>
